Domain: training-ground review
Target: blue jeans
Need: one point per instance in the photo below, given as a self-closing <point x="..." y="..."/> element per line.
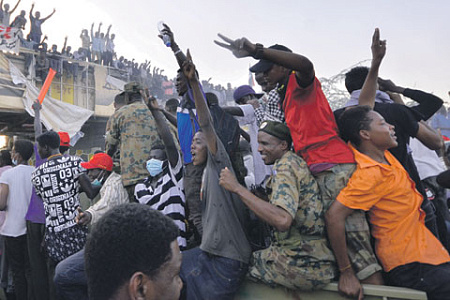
<point x="207" y="276"/>
<point x="70" y="278"/>
<point x="434" y="280"/>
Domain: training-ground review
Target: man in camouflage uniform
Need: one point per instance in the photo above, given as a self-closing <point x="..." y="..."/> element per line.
<point x="134" y="129"/>
<point x="298" y="256"/>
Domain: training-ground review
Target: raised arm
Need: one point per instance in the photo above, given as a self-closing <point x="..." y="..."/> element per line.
<point x="99" y="27"/>
<point x="92" y="31"/>
<point x="204" y="117"/>
<point x="179" y="55"/>
<point x="163" y="130"/>
<point x="369" y="89"/>
<point x="170" y="118"/>
<point x="64" y="46"/>
<point x="31" y="10"/>
<point x="244" y="48"/>
<point x="107" y="31"/>
<point x="15" y="7"/>
<point x="47" y="17"/>
<point x="37" y="119"/>
<point x="429" y="137"/>
<point x="429" y="104"/>
<point x="335" y="222"/>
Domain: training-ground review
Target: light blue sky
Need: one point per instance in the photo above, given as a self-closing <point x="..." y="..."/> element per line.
<point x="333" y="34"/>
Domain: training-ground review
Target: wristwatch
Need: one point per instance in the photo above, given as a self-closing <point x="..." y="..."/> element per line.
<point x="259" y="51"/>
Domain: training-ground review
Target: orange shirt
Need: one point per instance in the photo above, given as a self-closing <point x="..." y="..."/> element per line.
<point x="397" y="220"/>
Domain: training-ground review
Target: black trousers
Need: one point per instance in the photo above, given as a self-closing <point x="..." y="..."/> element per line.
<point x="434" y="280"/>
<point x="17" y="255"/>
<point x="38" y="261"/>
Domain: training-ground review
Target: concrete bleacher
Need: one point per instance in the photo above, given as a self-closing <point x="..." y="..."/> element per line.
<point x="257" y="291"/>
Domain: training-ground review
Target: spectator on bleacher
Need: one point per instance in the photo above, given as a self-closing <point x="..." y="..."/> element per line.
<point x="54" y="58"/>
<point x="69" y="67"/>
<point x="119" y="63"/>
<point x="103" y="46"/>
<point x="85" y="44"/>
<point x="80" y="54"/>
<point x="36" y="23"/>
<point x="65" y="51"/>
<point x="42" y="63"/>
<point x="19" y="21"/>
<point x="109" y="48"/>
<point x="6" y="13"/>
<point x="96" y="44"/>
<point x="31" y="45"/>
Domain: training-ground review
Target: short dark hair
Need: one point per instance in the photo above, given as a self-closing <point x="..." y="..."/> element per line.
<point x="50" y="139"/>
<point x="5" y="157"/>
<point x="129" y="238"/>
<point x="63" y="149"/>
<point x="119" y="99"/>
<point x="24" y="148"/>
<point x="352" y="121"/>
<point x="354" y="79"/>
<point x="133" y="97"/>
<point x="158" y="146"/>
<point x="172" y="102"/>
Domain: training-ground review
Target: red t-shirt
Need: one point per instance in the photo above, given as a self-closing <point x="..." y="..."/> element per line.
<point x="313" y="128"/>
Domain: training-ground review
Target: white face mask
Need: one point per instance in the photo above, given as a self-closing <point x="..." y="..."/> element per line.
<point x="14" y="159"/>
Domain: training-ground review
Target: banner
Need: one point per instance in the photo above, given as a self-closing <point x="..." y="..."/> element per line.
<point x="9" y="37"/>
<point x="106" y="88"/>
<point x="55" y="114"/>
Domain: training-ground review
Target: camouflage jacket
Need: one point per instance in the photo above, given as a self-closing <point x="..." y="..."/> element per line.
<point x="294" y="189"/>
<point x="134" y="128"/>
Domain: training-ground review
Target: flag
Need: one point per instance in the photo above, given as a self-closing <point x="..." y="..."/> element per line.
<point x="9" y="37"/>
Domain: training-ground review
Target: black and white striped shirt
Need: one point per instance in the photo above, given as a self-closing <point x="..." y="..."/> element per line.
<point x="167" y="196"/>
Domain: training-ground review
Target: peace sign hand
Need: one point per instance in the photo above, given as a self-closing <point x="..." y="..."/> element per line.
<point x="240" y="48"/>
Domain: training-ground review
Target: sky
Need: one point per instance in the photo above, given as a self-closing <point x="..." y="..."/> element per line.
<point x="334" y="35"/>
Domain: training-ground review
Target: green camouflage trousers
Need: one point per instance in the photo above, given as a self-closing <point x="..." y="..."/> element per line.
<point x="273" y="267"/>
<point x="360" y="250"/>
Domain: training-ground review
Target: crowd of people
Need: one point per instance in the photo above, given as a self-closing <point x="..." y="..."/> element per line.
<point x="97" y="47"/>
<point x="190" y="199"/>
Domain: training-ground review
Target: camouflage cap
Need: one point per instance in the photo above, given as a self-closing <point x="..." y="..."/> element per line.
<point x="132" y="87"/>
<point x="277" y="129"/>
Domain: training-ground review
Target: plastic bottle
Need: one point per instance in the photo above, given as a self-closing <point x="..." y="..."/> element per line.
<point x="166" y="38"/>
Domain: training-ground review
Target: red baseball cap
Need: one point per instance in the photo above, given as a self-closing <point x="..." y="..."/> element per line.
<point x="99" y="161"/>
<point x="64" y="138"/>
